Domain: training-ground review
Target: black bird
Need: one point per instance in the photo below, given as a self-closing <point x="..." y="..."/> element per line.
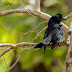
<point x="53" y="34"/>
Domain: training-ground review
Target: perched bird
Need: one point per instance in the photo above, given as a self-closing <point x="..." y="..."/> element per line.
<point x="53" y="34"/>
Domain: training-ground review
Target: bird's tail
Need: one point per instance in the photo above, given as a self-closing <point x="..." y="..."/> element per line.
<point x="44" y="48"/>
<point x="39" y="45"/>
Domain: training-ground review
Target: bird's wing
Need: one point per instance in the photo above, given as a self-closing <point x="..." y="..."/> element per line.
<point x="46" y="33"/>
<point x="58" y="35"/>
<point x="47" y="39"/>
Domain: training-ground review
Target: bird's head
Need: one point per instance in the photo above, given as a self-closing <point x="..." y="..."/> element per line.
<point x="58" y="18"/>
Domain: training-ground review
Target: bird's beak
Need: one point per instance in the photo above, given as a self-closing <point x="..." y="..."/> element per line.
<point x="63" y="19"/>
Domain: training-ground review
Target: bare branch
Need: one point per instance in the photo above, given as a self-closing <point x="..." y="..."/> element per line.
<point x="7" y="6"/>
<point x="39" y="33"/>
<point x="24" y="7"/>
<point x="8" y="49"/>
<point x="17" y="45"/>
<point x="32" y="30"/>
<point x="12" y="46"/>
<point x="4" y="59"/>
<point x="37" y="5"/>
<point x="16" y="60"/>
<point x="61" y="44"/>
<point x="36" y="27"/>
<point x="35" y="13"/>
<point x="69" y="32"/>
<point x="69" y="16"/>
<point x="68" y="61"/>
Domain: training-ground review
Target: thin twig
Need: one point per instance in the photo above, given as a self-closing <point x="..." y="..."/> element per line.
<point x="36" y="27"/>
<point x="16" y="60"/>
<point x="4" y="58"/>
<point x="8" y="49"/>
<point x="3" y="25"/>
<point x="32" y="29"/>
<point x="7" y="6"/>
<point x="39" y="33"/>
<point x="24" y="8"/>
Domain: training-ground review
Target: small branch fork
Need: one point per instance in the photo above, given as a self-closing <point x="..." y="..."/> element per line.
<point x="37" y="12"/>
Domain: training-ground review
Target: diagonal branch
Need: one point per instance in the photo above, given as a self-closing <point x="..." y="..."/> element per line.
<point x="7" y="6"/>
<point x="35" y="13"/>
<point x="69" y="16"/>
<point x="32" y="30"/>
<point x="36" y="27"/>
<point x="8" y="49"/>
<point x="39" y="33"/>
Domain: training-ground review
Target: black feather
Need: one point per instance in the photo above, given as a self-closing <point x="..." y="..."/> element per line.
<point x="54" y="33"/>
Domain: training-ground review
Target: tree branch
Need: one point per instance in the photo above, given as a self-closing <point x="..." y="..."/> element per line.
<point x="39" y="33"/>
<point x="35" y="27"/>
<point x="69" y="16"/>
<point x="37" y="5"/>
<point x="35" y="13"/>
<point x="4" y="52"/>
<point x="69" y="32"/>
<point x="32" y="30"/>
<point x="7" y="6"/>
<point x="16" y="60"/>
<point x="12" y="46"/>
<point x="68" y="61"/>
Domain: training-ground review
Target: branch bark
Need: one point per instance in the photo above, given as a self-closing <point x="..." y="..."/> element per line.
<point x="69" y="32"/>
<point x="69" y="16"/>
<point x="37" y="5"/>
<point x="33" y="12"/>
<point x="12" y="46"/>
<point x="68" y="61"/>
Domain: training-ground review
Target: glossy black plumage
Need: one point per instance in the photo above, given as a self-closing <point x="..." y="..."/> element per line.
<point x="54" y="33"/>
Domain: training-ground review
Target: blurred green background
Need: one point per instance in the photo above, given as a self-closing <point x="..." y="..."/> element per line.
<point x="14" y="25"/>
